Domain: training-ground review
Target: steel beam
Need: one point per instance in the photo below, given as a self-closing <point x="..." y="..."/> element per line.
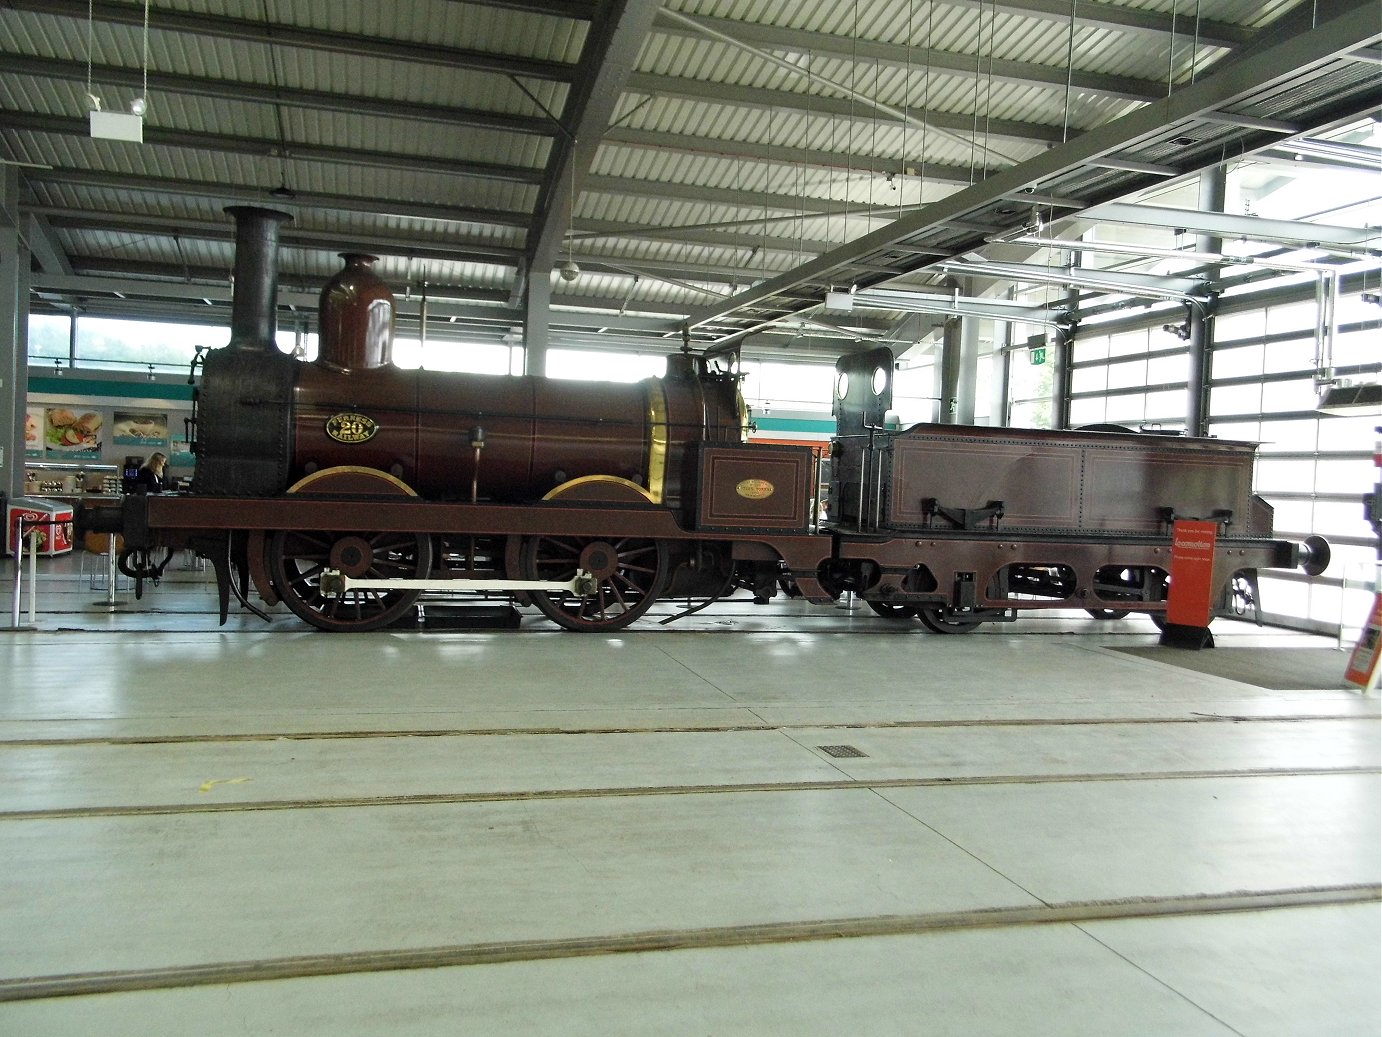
<point x="779" y="39"/>
<point x="255" y="93"/>
<point x="1350" y="27"/>
<point x="27" y="122"/>
<point x="828" y="161"/>
<point x="223" y="194"/>
<point x="292" y="236"/>
<point x="43" y="244"/>
<point x="1077" y="276"/>
<point x="219" y="27"/>
<point x="607" y="60"/>
<point x="815" y="104"/>
<point x="1227" y="225"/>
<point x="1153" y="24"/>
<point x="1000" y="310"/>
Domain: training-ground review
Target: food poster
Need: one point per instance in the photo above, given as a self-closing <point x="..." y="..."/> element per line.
<point x="71" y="435"/>
<point x="33" y="433"/>
<point x="140" y="428"/>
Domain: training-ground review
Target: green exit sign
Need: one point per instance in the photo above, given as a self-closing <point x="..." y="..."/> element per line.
<point x="1037" y="355"/>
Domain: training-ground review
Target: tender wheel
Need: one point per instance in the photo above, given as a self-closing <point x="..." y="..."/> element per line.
<point x="630" y="573"/>
<point x="297" y="558"/>
<point x="942" y="620"/>
<point x="1108" y="614"/>
<point x="888" y="610"/>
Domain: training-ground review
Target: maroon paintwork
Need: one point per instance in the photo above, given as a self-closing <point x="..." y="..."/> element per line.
<point x="356" y="316"/>
<point x="1061" y="480"/>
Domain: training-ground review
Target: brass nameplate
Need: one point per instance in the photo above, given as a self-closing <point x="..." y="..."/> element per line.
<point x="351" y="428"/>
<point x="754" y="489"/>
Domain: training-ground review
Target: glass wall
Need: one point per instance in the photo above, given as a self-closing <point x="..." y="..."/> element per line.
<point x="106" y="343"/>
<point x="1312" y="468"/>
<point x="1032" y="378"/>
<point x="1135" y="377"/>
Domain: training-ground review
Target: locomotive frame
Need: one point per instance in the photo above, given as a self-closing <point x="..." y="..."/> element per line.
<point x="345" y="488"/>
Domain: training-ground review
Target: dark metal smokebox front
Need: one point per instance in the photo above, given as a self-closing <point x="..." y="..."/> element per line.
<point x="244" y="442"/>
<point x="244" y="406"/>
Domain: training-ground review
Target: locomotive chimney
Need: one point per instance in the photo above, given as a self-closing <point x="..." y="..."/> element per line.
<point x="253" y="310"/>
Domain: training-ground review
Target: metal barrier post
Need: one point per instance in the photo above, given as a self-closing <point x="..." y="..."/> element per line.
<point x="110" y="573"/>
<point x="33" y="574"/>
<point x="18" y="573"/>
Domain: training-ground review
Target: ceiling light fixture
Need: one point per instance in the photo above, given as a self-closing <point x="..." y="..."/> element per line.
<point x="117" y="125"/>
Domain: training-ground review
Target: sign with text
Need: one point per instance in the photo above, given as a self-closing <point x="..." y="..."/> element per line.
<point x="1189" y="601"/>
<point x="1362" y="664"/>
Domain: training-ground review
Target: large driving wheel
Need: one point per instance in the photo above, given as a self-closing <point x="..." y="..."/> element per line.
<point x="629" y="574"/>
<point x="297" y="558"/>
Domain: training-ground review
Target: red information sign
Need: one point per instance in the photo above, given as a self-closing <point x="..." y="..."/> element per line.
<point x="1362" y="664"/>
<point x="1188" y="602"/>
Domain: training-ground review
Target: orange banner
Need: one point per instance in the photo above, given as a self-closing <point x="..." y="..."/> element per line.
<point x="1188" y="602"/>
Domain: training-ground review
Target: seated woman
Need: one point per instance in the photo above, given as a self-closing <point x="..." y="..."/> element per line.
<point x="150" y="478"/>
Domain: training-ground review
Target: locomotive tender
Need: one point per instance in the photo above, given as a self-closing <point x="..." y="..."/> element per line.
<point x="346" y="487"/>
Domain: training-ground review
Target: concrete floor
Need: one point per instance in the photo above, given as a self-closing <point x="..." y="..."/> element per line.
<point x="262" y="829"/>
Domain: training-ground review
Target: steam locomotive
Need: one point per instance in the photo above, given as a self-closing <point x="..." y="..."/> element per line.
<point x="347" y="487"/>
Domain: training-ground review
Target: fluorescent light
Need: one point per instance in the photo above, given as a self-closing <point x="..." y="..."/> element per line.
<point x="1347" y="400"/>
<point x="117" y="126"/>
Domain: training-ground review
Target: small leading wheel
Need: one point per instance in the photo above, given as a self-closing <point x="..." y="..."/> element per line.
<point x="297" y="558"/>
<point x="630" y="573"/>
<point x="889" y="610"/>
<point x="943" y="620"/>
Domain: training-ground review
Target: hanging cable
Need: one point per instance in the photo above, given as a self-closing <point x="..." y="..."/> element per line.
<point x="849" y="128"/>
<point x="1195" y="48"/>
<point x="92" y="100"/>
<point x="143" y="100"/>
<point x="1069" y="74"/>
<point x="1171" y="52"/>
<point x="926" y="91"/>
<point x="978" y="79"/>
<point x="988" y="85"/>
<point x="569" y="270"/>
<point x="906" y="101"/>
<point x="769" y="180"/>
<point x="282" y="191"/>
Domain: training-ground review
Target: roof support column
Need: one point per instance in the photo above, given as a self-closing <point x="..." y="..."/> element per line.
<point x="1213" y="192"/>
<point x="14" y="335"/>
<point x="958" y="369"/>
<point x="1002" y="368"/>
<point x="1063" y="356"/>
<point x="537" y="315"/>
<point x="948" y="372"/>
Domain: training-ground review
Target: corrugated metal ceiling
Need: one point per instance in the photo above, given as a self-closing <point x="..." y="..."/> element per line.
<point x="743" y="146"/>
